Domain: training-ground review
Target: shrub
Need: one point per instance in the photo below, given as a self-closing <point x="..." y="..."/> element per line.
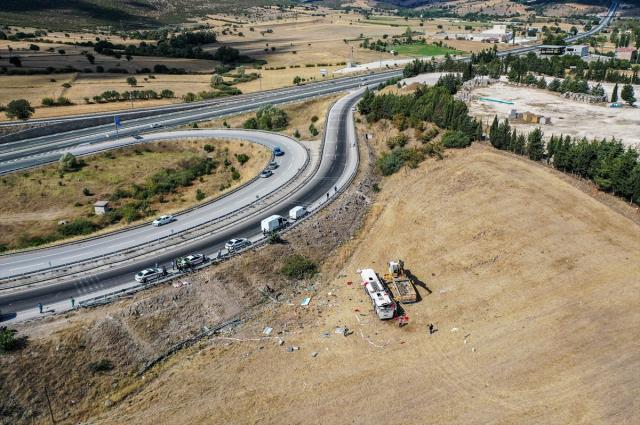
<point x="313" y="130"/>
<point x="48" y="101"/>
<point x="456" y="139"/>
<point x="20" y="109"/>
<point x="297" y="266"/>
<point x="8" y="340"/>
<point x="79" y="226"/>
<point x="275" y="238"/>
<point x="251" y="124"/>
<point x="103" y="365"/>
<point x="400" y="140"/>
<point x="389" y="163"/>
<point x="314" y="118"/>
<point x="208" y="148"/>
<point x="68" y="162"/>
<point x="242" y="158"/>
<point x="87" y="192"/>
<point x="296" y="134"/>
<point x="200" y="195"/>
<point x="429" y="134"/>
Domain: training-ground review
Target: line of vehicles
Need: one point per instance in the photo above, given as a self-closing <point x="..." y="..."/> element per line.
<point x="269" y="225"/>
<point x="385" y="293"/>
<point x="267" y="172"/>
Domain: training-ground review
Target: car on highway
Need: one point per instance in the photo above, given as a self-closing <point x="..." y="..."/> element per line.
<point x="163" y="219"/>
<point x="137" y="137"/>
<point x="190" y="261"/>
<point x="272" y="165"/>
<point x="236" y="244"/>
<point x="277" y="151"/>
<point x="266" y="173"/>
<point x="155" y="125"/>
<point x="152" y="273"/>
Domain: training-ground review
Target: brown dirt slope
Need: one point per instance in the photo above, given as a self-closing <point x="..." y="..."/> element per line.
<point x="532" y="284"/>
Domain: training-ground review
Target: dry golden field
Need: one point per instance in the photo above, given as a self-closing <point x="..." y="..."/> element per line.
<point x="35" y="201"/>
<point x="531" y="285"/>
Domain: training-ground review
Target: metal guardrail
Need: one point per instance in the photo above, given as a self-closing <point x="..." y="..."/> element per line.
<point x="108" y="297"/>
<point x="163" y="238"/>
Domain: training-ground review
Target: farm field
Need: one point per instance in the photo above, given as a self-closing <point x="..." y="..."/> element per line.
<point x="420" y="50"/>
<point x="36" y="200"/>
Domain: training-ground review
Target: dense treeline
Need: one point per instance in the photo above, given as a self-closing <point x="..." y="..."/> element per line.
<point x="608" y="163"/>
<point x="518" y="67"/>
<point x="433" y="104"/>
<point x="556" y="66"/>
<point x="183" y="45"/>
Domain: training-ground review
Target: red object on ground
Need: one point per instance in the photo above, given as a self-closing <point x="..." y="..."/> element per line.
<point x="356" y="309"/>
<point x="349" y="283"/>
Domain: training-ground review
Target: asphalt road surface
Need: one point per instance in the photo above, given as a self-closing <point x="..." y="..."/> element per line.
<point x="338" y="161"/>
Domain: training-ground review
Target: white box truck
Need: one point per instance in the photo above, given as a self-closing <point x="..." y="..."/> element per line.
<point x="297" y="212"/>
<point x="273" y="223"/>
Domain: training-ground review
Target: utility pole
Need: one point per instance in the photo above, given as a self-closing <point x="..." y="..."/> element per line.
<point x="46" y="393"/>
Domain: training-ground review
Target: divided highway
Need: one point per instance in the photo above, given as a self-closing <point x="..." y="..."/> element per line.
<point x="337" y="165"/>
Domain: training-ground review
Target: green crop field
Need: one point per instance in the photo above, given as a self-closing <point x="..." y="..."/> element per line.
<point x="419" y="49"/>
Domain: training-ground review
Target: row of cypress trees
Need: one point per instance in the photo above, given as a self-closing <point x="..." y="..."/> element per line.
<point x="609" y="164"/>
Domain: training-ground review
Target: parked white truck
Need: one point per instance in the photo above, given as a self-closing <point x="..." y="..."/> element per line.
<point x="273" y="223"/>
<point x="383" y="304"/>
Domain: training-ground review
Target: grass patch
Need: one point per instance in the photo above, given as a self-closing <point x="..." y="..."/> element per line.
<point x="420" y="49"/>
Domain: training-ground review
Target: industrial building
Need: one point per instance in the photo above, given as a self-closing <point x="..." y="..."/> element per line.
<point x="625" y="53"/>
<point x="578" y="50"/>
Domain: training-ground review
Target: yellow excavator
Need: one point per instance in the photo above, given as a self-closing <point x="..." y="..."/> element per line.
<point x="399" y="284"/>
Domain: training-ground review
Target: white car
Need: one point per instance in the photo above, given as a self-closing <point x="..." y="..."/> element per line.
<point x="237" y="243"/>
<point x="272" y="165"/>
<point x="150" y="274"/>
<point x="163" y="219"/>
<point x="266" y="173"/>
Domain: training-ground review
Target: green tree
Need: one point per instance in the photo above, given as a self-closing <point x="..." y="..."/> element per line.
<point x="91" y="58"/>
<point x="520" y="146"/>
<point x="456" y="139"/>
<point x="535" y="145"/>
<point x="19" y="109"/>
<point x="614" y="94"/>
<point x="217" y="81"/>
<point x="271" y="118"/>
<point x="68" y="162"/>
<point x="132" y="81"/>
<point x="627" y="94"/>
<point x="297" y="80"/>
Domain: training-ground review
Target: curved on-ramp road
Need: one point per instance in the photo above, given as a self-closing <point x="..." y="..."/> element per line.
<point x="337" y="166"/>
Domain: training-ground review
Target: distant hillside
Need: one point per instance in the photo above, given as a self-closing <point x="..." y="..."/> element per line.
<point x="67" y="14"/>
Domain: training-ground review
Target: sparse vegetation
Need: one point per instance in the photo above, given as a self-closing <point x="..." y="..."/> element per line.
<point x="297" y="266"/>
